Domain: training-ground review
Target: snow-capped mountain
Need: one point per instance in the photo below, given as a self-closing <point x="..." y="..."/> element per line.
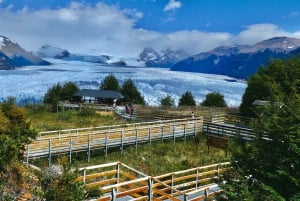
<point x="12" y="55"/>
<point x="164" y="58"/>
<point x="240" y="61"/>
<point x="48" y="51"/>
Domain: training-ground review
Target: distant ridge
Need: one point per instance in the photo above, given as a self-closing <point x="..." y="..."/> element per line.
<point x="12" y="55"/>
<point x="240" y="61"/>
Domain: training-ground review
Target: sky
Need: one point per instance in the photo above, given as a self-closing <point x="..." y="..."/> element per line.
<point x="125" y="27"/>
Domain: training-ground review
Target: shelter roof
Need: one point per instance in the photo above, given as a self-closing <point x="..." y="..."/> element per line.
<point x="99" y="93"/>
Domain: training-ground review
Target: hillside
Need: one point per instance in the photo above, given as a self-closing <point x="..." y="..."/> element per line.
<point x="240" y="61"/>
<point x="12" y="55"/>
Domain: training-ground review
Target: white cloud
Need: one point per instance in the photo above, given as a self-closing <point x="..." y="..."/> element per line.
<point x="258" y="32"/>
<point x="173" y="5"/>
<point x="107" y="29"/>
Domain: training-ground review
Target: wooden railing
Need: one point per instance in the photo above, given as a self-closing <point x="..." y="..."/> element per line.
<point x="116" y="180"/>
<point x="87" y="139"/>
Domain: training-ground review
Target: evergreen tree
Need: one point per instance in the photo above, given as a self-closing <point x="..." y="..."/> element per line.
<point x="214" y="99"/>
<point x="187" y="99"/>
<point x="274" y="83"/>
<point x="58" y="93"/>
<point x="167" y="101"/>
<point x="268" y="168"/>
<point x="110" y="82"/>
<point x="131" y="93"/>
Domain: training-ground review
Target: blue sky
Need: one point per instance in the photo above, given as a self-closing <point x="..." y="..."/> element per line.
<point x="125" y="27"/>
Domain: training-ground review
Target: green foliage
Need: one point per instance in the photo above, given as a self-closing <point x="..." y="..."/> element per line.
<point x="275" y="83"/>
<point x="214" y="99"/>
<point x="57" y="93"/>
<point x="86" y="112"/>
<point x="187" y="99"/>
<point x="167" y="101"/>
<point x="110" y="82"/>
<point x="59" y="183"/>
<point x="131" y="93"/>
<point x="15" y="132"/>
<point x="272" y="159"/>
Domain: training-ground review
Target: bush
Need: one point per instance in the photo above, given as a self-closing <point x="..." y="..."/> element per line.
<point x="187" y="99"/>
<point x="214" y="99"/>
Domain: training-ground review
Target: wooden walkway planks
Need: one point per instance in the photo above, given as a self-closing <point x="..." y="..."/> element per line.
<point x="197" y="183"/>
<point x="87" y="139"/>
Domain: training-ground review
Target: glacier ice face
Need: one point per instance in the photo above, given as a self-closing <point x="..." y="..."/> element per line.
<point x="29" y="84"/>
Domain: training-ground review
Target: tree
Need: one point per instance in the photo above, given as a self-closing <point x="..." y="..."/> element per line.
<point x="167" y="101"/>
<point x="274" y="83"/>
<point x="131" y="93"/>
<point x="110" y="82"/>
<point x="268" y="168"/>
<point x="214" y="99"/>
<point x="59" y="183"/>
<point x="15" y="133"/>
<point x="187" y="99"/>
<point x="57" y="93"/>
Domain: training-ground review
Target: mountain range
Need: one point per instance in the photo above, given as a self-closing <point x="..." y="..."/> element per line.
<point x="240" y="61"/>
<point x="12" y="55"/>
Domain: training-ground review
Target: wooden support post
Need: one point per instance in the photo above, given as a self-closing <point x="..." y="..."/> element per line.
<point x="173" y="134"/>
<point x="149" y="132"/>
<point x="106" y="144"/>
<point x="89" y="148"/>
<point x="184" y="131"/>
<point x="70" y="150"/>
<point x="122" y="140"/>
<point x="136" y="138"/>
<point x="197" y="178"/>
<point x="150" y="192"/>
<point x="84" y="175"/>
<point x="113" y="195"/>
<point x="162" y="133"/>
<point x="27" y="153"/>
<point x="49" y="154"/>
<point x="206" y="194"/>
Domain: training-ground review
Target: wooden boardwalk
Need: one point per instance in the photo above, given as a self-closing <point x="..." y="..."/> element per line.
<point x="70" y="141"/>
<point x="118" y="181"/>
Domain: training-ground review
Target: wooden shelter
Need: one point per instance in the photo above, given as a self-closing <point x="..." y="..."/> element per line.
<point x="96" y="96"/>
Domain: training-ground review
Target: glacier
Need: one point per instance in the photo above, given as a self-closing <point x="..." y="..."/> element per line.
<point x="29" y="84"/>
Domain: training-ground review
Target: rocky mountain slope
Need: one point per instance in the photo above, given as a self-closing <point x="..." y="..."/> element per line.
<point x="240" y="61"/>
<point x="12" y="55"/>
<point x="164" y="58"/>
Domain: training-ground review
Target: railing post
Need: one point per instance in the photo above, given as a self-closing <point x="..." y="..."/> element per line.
<point x="49" y="149"/>
<point x="197" y="177"/>
<point x="113" y="195"/>
<point x="173" y="134"/>
<point x="27" y="154"/>
<point x="70" y="150"/>
<point x="206" y="194"/>
<point x="149" y="132"/>
<point x="150" y="192"/>
<point x="218" y="170"/>
<point x="136" y="138"/>
<point x="89" y="148"/>
<point x="106" y="144"/>
<point x="184" y="130"/>
<point x="122" y="140"/>
<point x="84" y="175"/>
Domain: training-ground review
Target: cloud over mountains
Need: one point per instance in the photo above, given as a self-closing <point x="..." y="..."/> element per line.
<point x="108" y="29"/>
